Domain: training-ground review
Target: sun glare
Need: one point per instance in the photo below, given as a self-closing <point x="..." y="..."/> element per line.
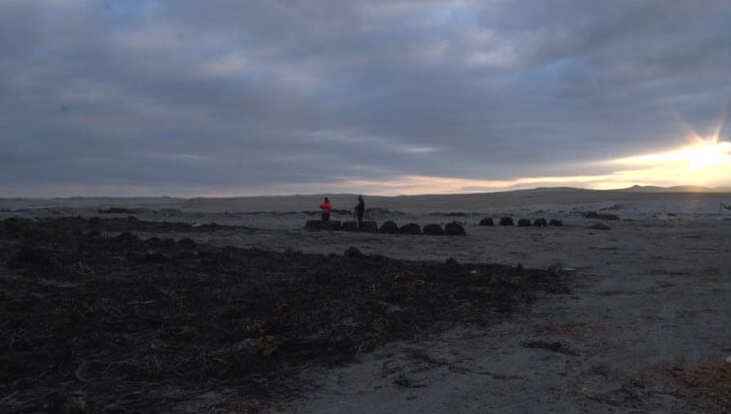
<point x="707" y="155"/>
<point x="703" y="162"/>
<point x="697" y="156"/>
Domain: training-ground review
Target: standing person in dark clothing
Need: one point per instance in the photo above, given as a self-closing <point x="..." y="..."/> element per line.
<point x="327" y="208"/>
<point x="359" y="210"/>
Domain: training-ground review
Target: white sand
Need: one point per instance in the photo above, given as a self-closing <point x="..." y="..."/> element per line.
<point x="653" y="291"/>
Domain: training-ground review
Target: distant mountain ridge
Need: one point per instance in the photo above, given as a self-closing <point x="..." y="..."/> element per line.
<point x="462" y="202"/>
<point x="676" y="189"/>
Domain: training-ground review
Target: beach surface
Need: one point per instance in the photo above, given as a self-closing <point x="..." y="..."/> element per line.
<point x="644" y="324"/>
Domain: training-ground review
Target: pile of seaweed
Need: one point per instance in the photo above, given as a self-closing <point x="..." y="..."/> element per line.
<point x="97" y="319"/>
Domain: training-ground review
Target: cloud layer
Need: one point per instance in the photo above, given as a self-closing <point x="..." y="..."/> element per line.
<point x="228" y="97"/>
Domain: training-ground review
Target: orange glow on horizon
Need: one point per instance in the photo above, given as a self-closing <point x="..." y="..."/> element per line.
<point x="704" y="162"/>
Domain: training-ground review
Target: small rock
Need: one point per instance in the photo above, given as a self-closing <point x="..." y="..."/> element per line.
<point x="599" y="226"/>
<point x="313" y="225"/>
<point x="332" y="225"/>
<point x="411" y="228"/>
<point x="540" y="222"/>
<point x="370" y="227"/>
<point x="389" y="227"/>
<point x="353" y="252"/>
<point x="433" y="230"/>
<point x="454" y="229"/>
<point x="506" y="221"/>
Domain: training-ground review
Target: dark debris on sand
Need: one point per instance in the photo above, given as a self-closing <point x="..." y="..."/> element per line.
<point x="96" y="319"/>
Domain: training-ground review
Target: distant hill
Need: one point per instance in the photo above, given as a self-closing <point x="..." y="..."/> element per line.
<point x="676" y="189"/>
<point x="463" y="202"/>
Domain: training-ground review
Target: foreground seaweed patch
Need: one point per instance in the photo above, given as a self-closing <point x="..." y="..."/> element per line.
<point x="709" y="379"/>
<point x="96" y="319"/>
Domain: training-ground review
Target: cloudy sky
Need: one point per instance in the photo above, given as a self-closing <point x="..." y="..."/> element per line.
<point x="250" y="97"/>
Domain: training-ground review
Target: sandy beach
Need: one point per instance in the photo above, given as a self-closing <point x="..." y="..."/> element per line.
<point x="644" y="326"/>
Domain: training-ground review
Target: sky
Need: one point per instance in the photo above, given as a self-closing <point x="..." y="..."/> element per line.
<point x="237" y="98"/>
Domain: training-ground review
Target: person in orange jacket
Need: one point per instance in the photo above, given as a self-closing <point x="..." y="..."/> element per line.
<point x="327" y="208"/>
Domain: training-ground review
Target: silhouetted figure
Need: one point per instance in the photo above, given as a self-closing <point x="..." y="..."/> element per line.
<point x="359" y="210"/>
<point x="327" y="208"/>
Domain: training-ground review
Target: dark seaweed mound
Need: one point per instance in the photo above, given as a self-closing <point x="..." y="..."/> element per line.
<point x="96" y="319"/>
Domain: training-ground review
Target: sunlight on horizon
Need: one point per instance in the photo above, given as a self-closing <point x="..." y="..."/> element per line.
<point x="703" y="162"/>
<point x="701" y="154"/>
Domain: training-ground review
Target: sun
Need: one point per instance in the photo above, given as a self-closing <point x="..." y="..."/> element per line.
<point x="703" y="161"/>
<point x="701" y="154"/>
<point x="704" y="155"/>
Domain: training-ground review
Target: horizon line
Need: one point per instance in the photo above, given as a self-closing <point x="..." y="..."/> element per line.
<point x="690" y="189"/>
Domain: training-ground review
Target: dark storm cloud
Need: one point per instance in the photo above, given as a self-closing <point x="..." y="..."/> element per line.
<point x="262" y="97"/>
